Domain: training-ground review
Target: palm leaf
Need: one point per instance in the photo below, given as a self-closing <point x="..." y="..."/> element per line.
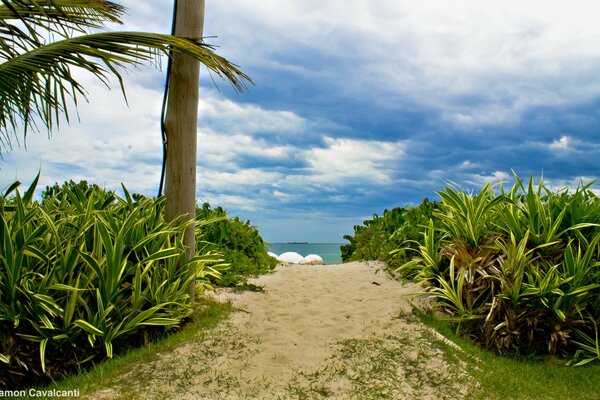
<point x="37" y="85"/>
<point x="34" y="19"/>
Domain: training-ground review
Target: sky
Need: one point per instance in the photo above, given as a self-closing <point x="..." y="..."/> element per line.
<point x="357" y="106"/>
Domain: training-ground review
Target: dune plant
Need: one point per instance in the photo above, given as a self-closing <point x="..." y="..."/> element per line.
<point x="84" y="274"/>
<point x="467" y="216"/>
<point x="519" y="269"/>
<point x="240" y="243"/>
<point x="389" y="237"/>
<point x="588" y="346"/>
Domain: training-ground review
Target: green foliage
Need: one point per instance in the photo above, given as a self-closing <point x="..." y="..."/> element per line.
<point x="513" y="377"/>
<point x="239" y="242"/>
<point x="85" y="274"/>
<point x="519" y="271"/>
<point x="380" y="238"/>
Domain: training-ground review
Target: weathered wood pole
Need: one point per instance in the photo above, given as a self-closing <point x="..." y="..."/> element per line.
<point x="182" y="123"/>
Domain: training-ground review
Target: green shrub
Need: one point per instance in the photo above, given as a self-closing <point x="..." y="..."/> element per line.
<point x="240" y="243"/>
<point x="382" y="238"/>
<point x="518" y="271"/>
<point x="85" y="274"/>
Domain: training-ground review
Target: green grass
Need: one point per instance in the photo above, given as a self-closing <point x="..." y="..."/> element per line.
<point x="511" y="378"/>
<point x="102" y="376"/>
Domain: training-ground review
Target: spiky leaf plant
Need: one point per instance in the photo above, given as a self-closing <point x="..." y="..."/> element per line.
<point x="82" y="278"/>
<point x="522" y="265"/>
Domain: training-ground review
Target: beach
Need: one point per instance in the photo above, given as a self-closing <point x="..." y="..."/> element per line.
<point x="334" y="331"/>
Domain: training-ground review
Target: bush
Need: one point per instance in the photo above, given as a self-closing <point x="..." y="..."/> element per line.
<point x="240" y="243"/>
<point x="382" y="238"/>
<point x="85" y="274"/>
<point x="518" y="271"/>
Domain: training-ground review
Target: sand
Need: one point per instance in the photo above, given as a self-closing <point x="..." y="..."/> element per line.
<point x="307" y="308"/>
<point x="334" y="331"/>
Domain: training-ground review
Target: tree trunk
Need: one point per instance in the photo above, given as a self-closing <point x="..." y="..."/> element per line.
<point x="182" y="124"/>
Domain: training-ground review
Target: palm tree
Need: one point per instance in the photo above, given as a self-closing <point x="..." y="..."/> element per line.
<point x="181" y="124"/>
<point x="37" y="85"/>
<point x="36" y="80"/>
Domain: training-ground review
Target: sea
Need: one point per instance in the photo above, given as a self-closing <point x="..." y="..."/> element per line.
<point x="329" y="252"/>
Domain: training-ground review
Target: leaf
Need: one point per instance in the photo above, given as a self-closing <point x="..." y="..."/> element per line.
<point x="46" y="322"/>
<point x="161" y="321"/>
<point x="12" y="188"/>
<point x="35" y="84"/>
<point x="109" y="349"/>
<point x="560" y="314"/>
<point x="162" y="254"/>
<point x="28" y="196"/>
<point x="31" y="338"/>
<point x="35" y="253"/>
<point x="43" y="345"/>
<point x="86" y="326"/>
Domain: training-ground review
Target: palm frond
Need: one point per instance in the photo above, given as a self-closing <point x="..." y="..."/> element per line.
<point x="26" y="24"/>
<point x="36" y="85"/>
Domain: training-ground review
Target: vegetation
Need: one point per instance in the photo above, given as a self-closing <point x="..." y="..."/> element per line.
<point x="105" y="376"/>
<point x="516" y="270"/>
<point x="513" y="377"/>
<point x="86" y="274"/>
<point x="44" y="42"/>
<point x="390" y="237"/>
<point x="239" y="242"/>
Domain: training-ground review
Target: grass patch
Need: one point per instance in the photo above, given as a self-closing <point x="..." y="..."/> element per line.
<point x="248" y="287"/>
<point x="205" y="367"/>
<point x="411" y="362"/>
<point x="104" y="375"/>
<point x="523" y="378"/>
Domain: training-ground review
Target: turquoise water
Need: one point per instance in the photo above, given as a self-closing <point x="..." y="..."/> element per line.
<point x="329" y="252"/>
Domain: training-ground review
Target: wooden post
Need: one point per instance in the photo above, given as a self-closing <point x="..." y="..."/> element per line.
<point x="182" y="124"/>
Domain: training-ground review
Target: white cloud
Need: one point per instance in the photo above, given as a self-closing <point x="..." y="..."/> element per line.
<point x="228" y="201"/>
<point x="560" y="144"/>
<point x="223" y="151"/>
<point x="235" y="118"/>
<point x="113" y="143"/>
<point x="344" y="160"/>
<point x="571" y="184"/>
<point x="566" y="145"/>
<point x="515" y="55"/>
<point x="116" y="143"/>
<point x="238" y="180"/>
<point x="479" y="180"/>
<point x="282" y="196"/>
<point x="467" y="164"/>
<point x="473" y="63"/>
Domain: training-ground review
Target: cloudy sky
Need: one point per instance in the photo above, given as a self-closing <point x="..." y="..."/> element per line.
<point x="358" y="106"/>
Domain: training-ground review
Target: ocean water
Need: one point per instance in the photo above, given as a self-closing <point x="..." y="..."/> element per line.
<point x="329" y="252"/>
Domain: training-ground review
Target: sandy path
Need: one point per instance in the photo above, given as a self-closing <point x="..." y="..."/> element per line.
<point x="336" y="331"/>
<point x="307" y="308"/>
